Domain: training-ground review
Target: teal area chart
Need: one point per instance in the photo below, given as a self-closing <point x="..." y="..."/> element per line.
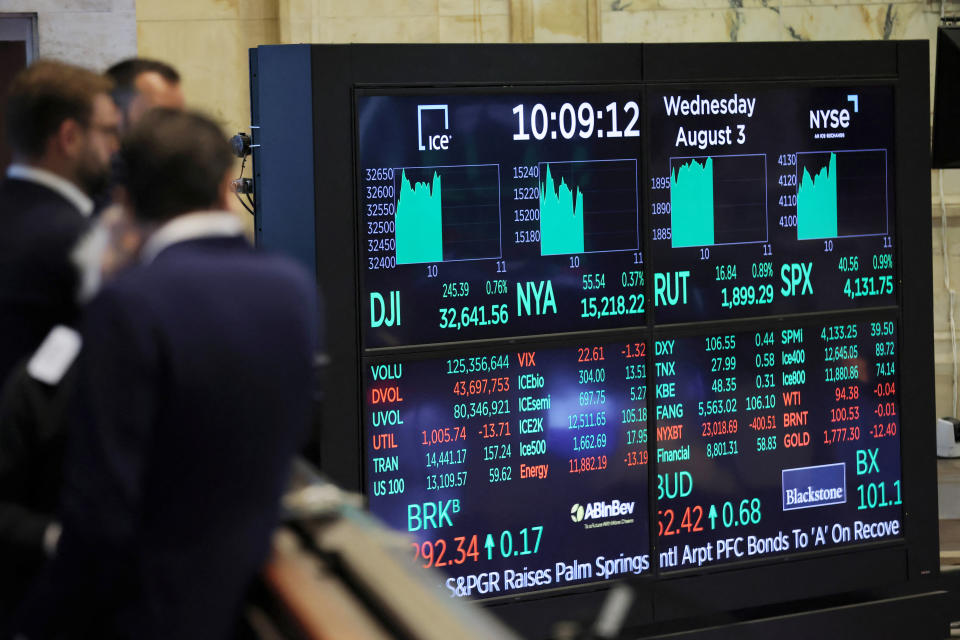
<point x="691" y="203"/>
<point x="561" y="217"/>
<point x="447" y="213"/>
<point x="419" y="224"/>
<point x="588" y="207"/>
<point x="718" y="200"/>
<point x="842" y="194"/>
<point x="817" y="202"/>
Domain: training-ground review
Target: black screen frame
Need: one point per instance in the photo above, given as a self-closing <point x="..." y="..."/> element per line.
<point x="721" y="593"/>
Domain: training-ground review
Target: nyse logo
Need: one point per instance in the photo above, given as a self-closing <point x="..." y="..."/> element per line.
<point x="834" y="118"/>
<point x="433" y="141"/>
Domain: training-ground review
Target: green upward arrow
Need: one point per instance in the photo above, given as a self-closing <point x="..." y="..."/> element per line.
<point x="713" y="516"/>
<point x="488" y="545"/>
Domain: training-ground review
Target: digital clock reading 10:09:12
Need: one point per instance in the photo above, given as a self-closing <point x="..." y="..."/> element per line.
<point x="583" y="121"/>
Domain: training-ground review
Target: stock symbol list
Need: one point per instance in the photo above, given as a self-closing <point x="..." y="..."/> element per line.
<point x="776" y="441"/>
<point x="460" y="447"/>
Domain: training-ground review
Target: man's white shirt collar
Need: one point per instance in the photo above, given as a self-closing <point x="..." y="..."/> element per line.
<point x="190" y="226"/>
<point x="55" y="183"/>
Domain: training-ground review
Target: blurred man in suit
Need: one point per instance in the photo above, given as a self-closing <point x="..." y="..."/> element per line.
<point x="34" y="402"/>
<point x="62" y="127"/>
<point x="141" y="84"/>
<point x="194" y="395"/>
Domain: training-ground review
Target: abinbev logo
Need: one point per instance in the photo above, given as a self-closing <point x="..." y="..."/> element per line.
<point x="600" y="509"/>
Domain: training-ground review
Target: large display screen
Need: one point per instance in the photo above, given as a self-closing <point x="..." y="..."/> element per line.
<point x="515" y="470"/>
<point x="541" y="267"/>
<point x="768" y="201"/>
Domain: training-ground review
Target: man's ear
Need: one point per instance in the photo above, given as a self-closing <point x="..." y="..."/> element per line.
<point x="225" y="191"/>
<point x="68" y="139"/>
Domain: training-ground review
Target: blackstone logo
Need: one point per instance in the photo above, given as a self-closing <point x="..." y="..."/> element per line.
<point x="598" y="510"/>
<point x="819" y="486"/>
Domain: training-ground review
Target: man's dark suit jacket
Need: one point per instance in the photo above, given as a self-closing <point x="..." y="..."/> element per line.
<point x="33" y="436"/>
<point x="38" y="283"/>
<point x="194" y="395"/>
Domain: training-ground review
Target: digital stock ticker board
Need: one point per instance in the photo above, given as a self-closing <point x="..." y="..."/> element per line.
<point x="630" y="331"/>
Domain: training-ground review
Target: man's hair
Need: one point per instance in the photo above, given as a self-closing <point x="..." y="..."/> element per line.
<point x="124" y="75"/>
<point x="174" y="162"/>
<point x="43" y="96"/>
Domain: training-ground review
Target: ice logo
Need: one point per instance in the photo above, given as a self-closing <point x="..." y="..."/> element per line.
<point x="435" y="141"/>
<point x="576" y="512"/>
